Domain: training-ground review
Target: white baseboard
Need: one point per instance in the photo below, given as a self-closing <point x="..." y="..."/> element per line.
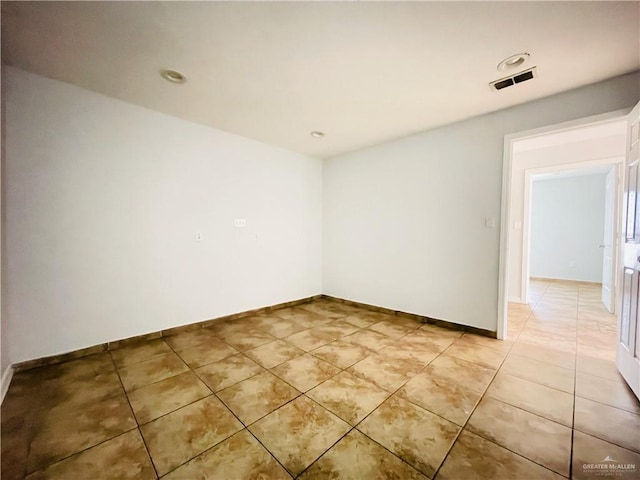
<point x="7" y="375"/>
<point x="515" y="300"/>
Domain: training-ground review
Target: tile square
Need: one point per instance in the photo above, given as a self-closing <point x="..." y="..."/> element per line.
<point x="185" y="433"/>
<point x="180" y="341"/>
<point x="357" y="457"/>
<point x="338" y="328"/>
<point x="609" y="392"/>
<point x="298" y="433"/>
<point x="369" y="339"/>
<point x="366" y="318"/>
<point x="402" y="351"/>
<point x="246" y="340"/>
<point x="608" y="423"/>
<point x="539" y="372"/>
<point x="139" y="352"/>
<point x="208" y="351"/>
<point x="474" y="458"/>
<point x="222" y="327"/>
<point x="254" y="397"/>
<point x="349" y="397"/>
<point x="123" y="457"/>
<point x="391" y="329"/>
<point x="305" y="372"/>
<point x="544" y="354"/>
<point x="538" y="439"/>
<point x="387" y="374"/>
<point x="280" y="327"/>
<point x="462" y="372"/>
<point x="311" y="339"/>
<point x="440" y="396"/>
<point x="64" y="430"/>
<point x="425" y="339"/>
<point x="151" y="371"/>
<point x="588" y="450"/>
<point x="304" y="318"/>
<point x="441" y="332"/>
<point x="420" y="438"/>
<point x="533" y="397"/>
<point x="228" y="371"/>
<point x="598" y="367"/>
<point x="272" y="354"/>
<point x="328" y="310"/>
<point x="486" y="357"/>
<point x="500" y="345"/>
<point x="238" y="457"/>
<point x="153" y="401"/>
<point x="341" y="353"/>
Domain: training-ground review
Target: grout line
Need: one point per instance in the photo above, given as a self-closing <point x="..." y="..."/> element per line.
<point x="575" y="377"/>
<point x="144" y="442"/>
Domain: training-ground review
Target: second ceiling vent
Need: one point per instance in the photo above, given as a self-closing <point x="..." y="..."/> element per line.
<point x="514" y="79"/>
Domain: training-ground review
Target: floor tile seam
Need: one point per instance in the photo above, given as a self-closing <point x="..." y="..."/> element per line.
<point x="172" y="411"/>
<point x="526" y="409"/>
<point x="608" y="405"/>
<point x="370" y="439"/>
<point x="208" y="363"/>
<point x="144" y="442"/>
<point x="27" y="473"/>
<point x="608" y="440"/>
<point x="395" y="392"/>
<point x="408" y="400"/>
<point x="296" y="388"/>
<point x="546" y="362"/>
<point x="518" y="375"/>
<point x="244" y="427"/>
<point x="137" y="362"/>
<point x="470" y="415"/>
<point x="600" y="377"/>
<point x="156" y="381"/>
<point x="388" y="395"/>
<point x="173" y="469"/>
<point x="247" y="425"/>
<point x="277" y="365"/>
<point x="494" y="442"/>
<point x="543" y="361"/>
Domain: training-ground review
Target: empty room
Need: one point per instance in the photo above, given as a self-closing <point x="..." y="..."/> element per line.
<point x="320" y="240"/>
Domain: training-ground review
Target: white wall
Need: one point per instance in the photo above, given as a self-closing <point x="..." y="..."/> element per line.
<point x="103" y="201"/>
<point x="567" y="227"/>
<point x="404" y="222"/>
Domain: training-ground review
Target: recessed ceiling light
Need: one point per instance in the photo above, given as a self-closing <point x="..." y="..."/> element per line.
<point x="513" y="61"/>
<point x="316" y="134"/>
<point x="173" y="76"/>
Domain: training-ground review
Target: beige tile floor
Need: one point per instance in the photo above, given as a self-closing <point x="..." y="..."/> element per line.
<point x="329" y="391"/>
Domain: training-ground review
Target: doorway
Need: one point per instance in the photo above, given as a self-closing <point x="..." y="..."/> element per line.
<point x="570" y="226"/>
<point x="592" y="142"/>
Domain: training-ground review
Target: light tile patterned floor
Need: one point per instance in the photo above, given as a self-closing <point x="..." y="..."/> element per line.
<point x="329" y="391"/>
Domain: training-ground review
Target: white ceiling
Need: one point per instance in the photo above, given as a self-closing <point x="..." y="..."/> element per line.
<point x="361" y="72"/>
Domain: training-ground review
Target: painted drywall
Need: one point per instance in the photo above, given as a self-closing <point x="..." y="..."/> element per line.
<point x="103" y="202"/>
<point x="591" y="149"/>
<point x="567" y="227"/>
<point x="404" y="222"/>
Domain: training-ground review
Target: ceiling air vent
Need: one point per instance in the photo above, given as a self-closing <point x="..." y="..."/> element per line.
<point x="514" y="79"/>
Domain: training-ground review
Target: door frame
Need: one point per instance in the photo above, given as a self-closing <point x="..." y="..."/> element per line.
<point x="616" y="163"/>
<point x="507" y="187"/>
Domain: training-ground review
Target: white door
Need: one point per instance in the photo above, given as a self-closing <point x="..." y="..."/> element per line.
<point x="609" y="241"/>
<point x="628" y="345"/>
